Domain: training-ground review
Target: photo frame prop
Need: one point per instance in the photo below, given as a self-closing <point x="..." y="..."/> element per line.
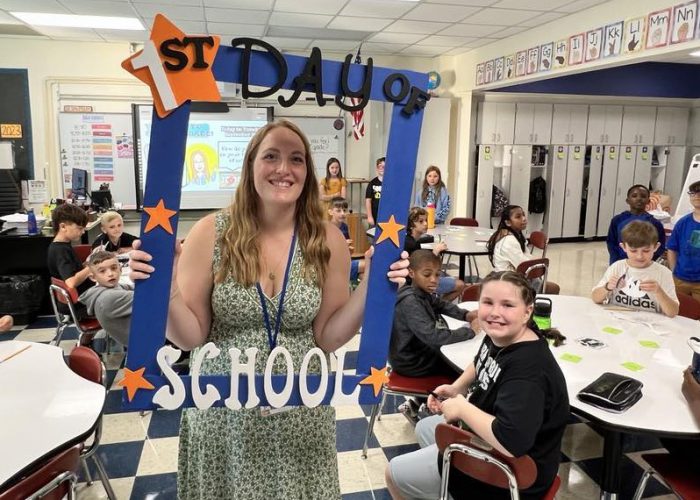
<point x="180" y="68"/>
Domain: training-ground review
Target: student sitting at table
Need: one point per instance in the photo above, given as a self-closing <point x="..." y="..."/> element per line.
<point x="638" y="282"/>
<point x="684" y="247"/>
<point x="507" y="245"/>
<point x="338" y="212"/>
<point x="449" y="288"/>
<point x="637" y="199"/>
<point x="109" y="301"/>
<point x="513" y="396"/>
<point x="113" y="237"/>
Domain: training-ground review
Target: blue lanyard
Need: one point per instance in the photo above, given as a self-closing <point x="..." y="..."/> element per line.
<point x="272" y="338"/>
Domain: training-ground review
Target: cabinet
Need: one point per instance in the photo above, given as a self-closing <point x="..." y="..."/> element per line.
<point x="638" y="124"/>
<point x="634" y="168"/>
<point x="533" y="123"/>
<point x="496" y="123"/>
<point x="671" y="126"/>
<point x="492" y="162"/>
<point x="608" y="192"/>
<point x="669" y="175"/>
<point x="565" y="178"/>
<point x="604" y="125"/>
<point x="569" y="124"/>
<point x="592" y="173"/>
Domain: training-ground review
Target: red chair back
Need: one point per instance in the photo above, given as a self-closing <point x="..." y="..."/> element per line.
<point x="689" y="307"/>
<point x="534" y="268"/>
<point x="552" y="491"/>
<point x="471" y="292"/>
<point x="47" y="472"/>
<point x="72" y="292"/>
<point x="464" y="221"/>
<point x="413" y="386"/>
<point x="678" y="473"/>
<point x="82" y="251"/>
<point x="538" y="239"/>
<point x="86" y="363"/>
<point x="524" y="468"/>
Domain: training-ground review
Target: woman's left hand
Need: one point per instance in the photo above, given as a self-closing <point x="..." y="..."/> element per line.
<point x="398" y="271"/>
<point x="452" y="408"/>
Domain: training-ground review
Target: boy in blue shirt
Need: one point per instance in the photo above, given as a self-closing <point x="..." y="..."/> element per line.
<point x="338" y="212"/>
<point x="637" y="199"/>
<point x="684" y="247"/>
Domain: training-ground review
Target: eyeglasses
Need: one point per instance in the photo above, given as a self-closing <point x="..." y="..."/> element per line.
<point x="694" y="194"/>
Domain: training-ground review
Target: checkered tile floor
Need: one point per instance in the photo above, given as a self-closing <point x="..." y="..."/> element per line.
<point x="140" y="452"/>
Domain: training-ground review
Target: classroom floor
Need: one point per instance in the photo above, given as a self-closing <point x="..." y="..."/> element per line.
<point x="140" y="452"/>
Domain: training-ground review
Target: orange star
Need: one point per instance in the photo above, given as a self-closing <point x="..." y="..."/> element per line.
<point x="390" y="231"/>
<point x="159" y="216"/>
<point x="166" y="49"/>
<point x="133" y="381"/>
<point x="377" y="379"/>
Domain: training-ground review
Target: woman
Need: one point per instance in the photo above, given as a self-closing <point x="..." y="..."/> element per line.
<point x="334" y="184"/>
<point x="229" y="273"/>
<point x="516" y="400"/>
<point x="434" y="192"/>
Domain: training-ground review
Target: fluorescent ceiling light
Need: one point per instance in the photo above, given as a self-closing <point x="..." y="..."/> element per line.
<point x="73" y="21"/>
<point x="695" y="54"/>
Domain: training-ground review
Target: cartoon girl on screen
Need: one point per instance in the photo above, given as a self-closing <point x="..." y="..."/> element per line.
<point x="201" y="166"/>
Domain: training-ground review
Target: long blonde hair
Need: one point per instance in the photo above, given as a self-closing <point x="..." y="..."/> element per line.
<point x="240" y="248"/>
<point x="426" y="187"/>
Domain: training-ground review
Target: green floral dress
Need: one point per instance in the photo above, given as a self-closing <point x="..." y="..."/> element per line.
<point x="227" y="454"/>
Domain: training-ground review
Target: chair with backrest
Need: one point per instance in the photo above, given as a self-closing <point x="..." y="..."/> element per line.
<point x="63" y="294"/>
<point x="464" y="221"/>
<point x="535" y="269"/>
<point x="677" y="473"/>
<point x="409" y="387"/>
<point x="82" y="252"/>
<point x="54" y="478"/>
<point x="474" y="457"/>
<point x="86" y="363"/>
<point x="539" y="240"/>
<point x="471" y="292"/>
<point x="689" y="307"/>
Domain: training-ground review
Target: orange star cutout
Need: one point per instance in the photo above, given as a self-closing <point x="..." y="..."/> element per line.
<point x="170" y="88"/>
<point x="159" y="216"/>
<point x="133" y="381"/>
<point x="390" y="231"/>
<point x="377" y="379"/>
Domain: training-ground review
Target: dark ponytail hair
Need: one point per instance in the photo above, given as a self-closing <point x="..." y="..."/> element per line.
<point x="498" y="233"/>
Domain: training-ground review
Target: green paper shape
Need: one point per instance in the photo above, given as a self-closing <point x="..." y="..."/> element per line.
<point x="632" y="366"/>
<point x="612" y="330"/>
<point x="649" y="343"/>
<point x="572" y="358"/>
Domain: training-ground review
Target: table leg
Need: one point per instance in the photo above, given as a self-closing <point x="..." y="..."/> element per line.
<point x="461" y="267"/>
<point x="612" y="453"/>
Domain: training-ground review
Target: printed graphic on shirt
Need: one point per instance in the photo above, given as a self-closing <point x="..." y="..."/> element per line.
<point x="377" y="192"/>
<point x="628" y="294"/>
<point x="487" y="368"/>
<point x="695" y="239"/>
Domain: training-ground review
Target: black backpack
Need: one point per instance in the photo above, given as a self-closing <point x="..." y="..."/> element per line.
<point x="537" y="201"/>
<point x="499" y="201"/>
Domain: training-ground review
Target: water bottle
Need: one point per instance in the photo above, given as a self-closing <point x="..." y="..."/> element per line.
<point x="694" y="344"/>
<point x="31" y="222"/>
<point x="431" y="215"/>
<point x="543" y="313"/>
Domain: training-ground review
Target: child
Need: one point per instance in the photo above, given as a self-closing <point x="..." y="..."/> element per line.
<point x="338" y="211"/>
<point x="334" y="184"/>
<point x="506" y="246"/>
<point x="637" y="199"/>
<point x="69" y="223"/>
<point x="684" y="247"/>
<point x="110" y="302"/>
<point x="373" y="194"/>
<point x="449" y="288"/>
<point x="638" y="282"/>
<point x="113" y="237"/>
<point x="434" y="191"/>
<point x="513" y="396"/>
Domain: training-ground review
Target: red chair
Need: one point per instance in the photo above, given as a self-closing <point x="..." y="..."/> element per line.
<point x="471" y="293"/>
<point x="539" y="240"/>
<point x="63" y="294"/>
<point x="398" y="385"/>
<point x="535" y="269"/>
<point x="54" y="479"/>
<point x="676" y="473"/>
<point x="86" y="363"/>
<point x="689" y="307"/>
<point x="476" y="458"/>
<point x="82" y="251"/>
<point x="464" y="221"/>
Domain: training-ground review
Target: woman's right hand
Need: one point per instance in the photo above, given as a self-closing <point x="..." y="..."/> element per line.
<point x="139" y="261"/>
<point x="444" y="391"/>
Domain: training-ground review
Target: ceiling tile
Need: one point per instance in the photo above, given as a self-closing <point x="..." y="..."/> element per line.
<point x="425" y="27"/>
<point x="227" y="31"/>
<point x="236" y="16"/>
<point x="287" y="43"/>
<point x="446" y="41"/>
<point x="68" y="33"/>
<point x="240" y="4"/>
<point x="189" y="27"/>
<point x="382" y="48"/>
<point x="335" y="45"/>
<point x="359" y="23"/>
<point x="8" y="19"/>
<point x="190" y="3"/>
<point x="310" y="6"/>
<point x="172" y="12"/>
<point x="501" y="16"/>
<point x="579" y="5"/>
<point x="299" y="20"/>
<point x="479" y="43"/>
<point x="48" y="6"/>
<point x="406" y="38"/>
<point x="506" y="32"/>
<point x="471" y="30"/>
<point x="473" y="3"/>
<point x="439" y="12"/>
<point x="457" y="51"/>
<point x="423" y="50"/>
<point x="391" y="9"/>
<point x="99" y="8"/>
<point x="545" y="5"/>
<point x="123" y="36"/>
<point x="542" y="18"/>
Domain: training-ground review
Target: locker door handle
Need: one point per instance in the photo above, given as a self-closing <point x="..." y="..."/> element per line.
<point x="535" y="137"/>
<point x="530" y="137"/>
<point x="493" y="137"/>
<point x="603" y="192"/>
<point x="601" y="137"/>
<point x="499" y="137"/>
<point x="568" y="192"/>
<point x="606" y="137"/>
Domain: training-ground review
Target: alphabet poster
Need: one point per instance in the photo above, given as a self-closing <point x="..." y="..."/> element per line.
<point x="546" y="56"/>
<point x="521" y="63"/>
<point x="561" y="51"/>
<point x="594" y="40"/>
<point x="576" y="49"/>
<point x="658" y="28"/>
<point x="533" y="56"/>
<point x="480" y="74"/>
<point x="498" y="70"/>
<point x="635" y="29"/>
<point x="684" y="22"/>
<point x="488" y="72"/>
<point x="509" y="69"/>
<point x="612" y="40"/>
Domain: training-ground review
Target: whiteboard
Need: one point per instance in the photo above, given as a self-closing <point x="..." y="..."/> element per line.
<point x="326" y="142"/>
<point x="102" y="144"/>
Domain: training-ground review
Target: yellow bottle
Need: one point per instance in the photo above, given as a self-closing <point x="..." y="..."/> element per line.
<point x="431" y="215"/>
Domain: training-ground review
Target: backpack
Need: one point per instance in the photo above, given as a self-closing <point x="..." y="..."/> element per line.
<point x="537" y="200"/>
<point x="499" y="201"/>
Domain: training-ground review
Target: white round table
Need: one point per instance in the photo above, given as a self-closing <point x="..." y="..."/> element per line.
<point x="46" y="407"/>
<point x="649" y="347"/>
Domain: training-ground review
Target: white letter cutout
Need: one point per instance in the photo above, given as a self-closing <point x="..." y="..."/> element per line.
<point x="206" y="399"/>
<point x="170" y="400"/>
<point x="274" y="399"/>
<point x="313" y="400"/>
<point x="236" y="368"/>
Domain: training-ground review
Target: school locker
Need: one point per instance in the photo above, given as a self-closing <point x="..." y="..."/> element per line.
<point x="671" y="126"/>
<point x="608" y="184"/>
<point x="556" y="178"/>
<point x="495" y="123"/>
<point x="569" y="124"/>
<point x="595" y="169"/>
<point x="604" y="124"/>
<point x="519" y="182"/>
<point x="642" y="165"/>
<point x="634" y="168"/>
<point x="674" y="174"/>
<point x="573" y="191"/>
<point x="533" y="123"/>
<point x="638" y="123"/>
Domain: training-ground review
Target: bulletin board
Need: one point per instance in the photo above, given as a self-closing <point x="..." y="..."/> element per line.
<point x="102" y="144"/>
<point x="326" y="142"/>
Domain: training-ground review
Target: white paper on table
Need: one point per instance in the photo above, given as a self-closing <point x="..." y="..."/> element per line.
<point x="453" y="323"/>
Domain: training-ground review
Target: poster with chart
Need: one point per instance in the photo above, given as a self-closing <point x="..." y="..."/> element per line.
<point x="576" y="49"/>
<point x="594" y="40"/>
<point x="533" y="57"/>
<point x="561" y="52"/>
<point x="488" y="72"/>
<point x="521" y="63"/>
<point x="658" y="28"/>
<point x="684" y="22"/>
<point x="498" y="70"/>
<point x="612" y="39"/>
<point x="480" y="74"/>
<point x="635" y="29"/>
<point x="546" y="56"/>
<point x="509" y="70"/>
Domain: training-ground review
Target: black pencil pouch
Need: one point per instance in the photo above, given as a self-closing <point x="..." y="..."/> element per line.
<point x="612" y="392"/>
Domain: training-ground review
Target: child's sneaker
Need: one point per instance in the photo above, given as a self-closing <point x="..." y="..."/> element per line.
<point x="410" y="410"/>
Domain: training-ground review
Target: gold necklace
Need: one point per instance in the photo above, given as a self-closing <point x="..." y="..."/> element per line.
<point x="271" y="273"/>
